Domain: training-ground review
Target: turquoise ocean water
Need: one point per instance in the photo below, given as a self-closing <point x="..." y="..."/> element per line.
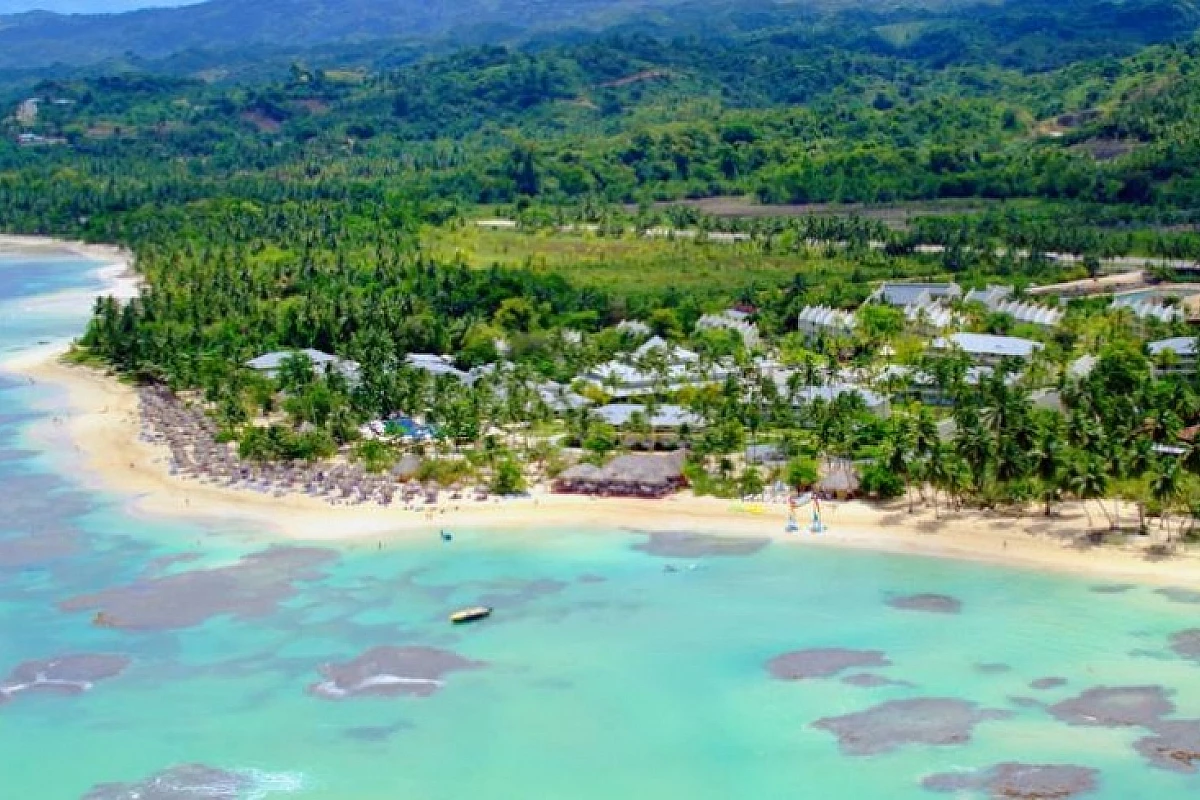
<point x="601" y="675"/>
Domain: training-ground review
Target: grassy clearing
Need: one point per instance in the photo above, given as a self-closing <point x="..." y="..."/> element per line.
<point x="638" y="264"/>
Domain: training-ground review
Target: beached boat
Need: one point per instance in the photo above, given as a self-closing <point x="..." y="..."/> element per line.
<point x="470" y="614"/>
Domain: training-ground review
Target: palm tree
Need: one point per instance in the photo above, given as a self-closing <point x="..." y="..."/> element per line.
<point x="1088" y="480"/>
<point x="899" y="451"/>
<point x="1049" y="465"/>
<point x="1165" y="487"/>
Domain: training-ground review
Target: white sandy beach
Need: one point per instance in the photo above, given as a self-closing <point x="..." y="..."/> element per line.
<point x="100" y="425"/>
<point x="96" y="432"/>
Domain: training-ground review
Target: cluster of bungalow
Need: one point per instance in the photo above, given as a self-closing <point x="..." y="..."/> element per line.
<point x="678" y="368"/>
<point x="928" y="307"/>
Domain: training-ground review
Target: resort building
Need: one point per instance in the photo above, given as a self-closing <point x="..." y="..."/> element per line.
<point x="559" y="398"/>
<point x="925" y="305"/>
<point x="987" y="349"/>
<point x="497" y="224"/>
<point x="902" y="295"/>
<point x="1176" y="356"/>
<point x="437" y="366"/>
<point x="733" y="320"/>
<point x="1081" y="367"/>
<point x="721" y="237"/>
<point x="669" y="233"/>
<point x="635" y="475"/>
<point x="633" y="327"/>
<point x="875" y="403"/>
<point x="999" y="299"/>
<point x="631" y="377"/>
<point x="666" y="417"/>
<point x="556" y="396"/>
<point x="816" y="321"/>
<point x="269" y="363"/>
<point x="904" y="383"/>
<point x="1162" y="303"/>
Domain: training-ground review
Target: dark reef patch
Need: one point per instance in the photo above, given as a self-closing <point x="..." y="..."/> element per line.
<point x="1175" y="745"/>
<point x="1186" y="644"/>
<point x="1178" y="595"/>
<point x="1025" y="702"/>
<point x="1019" y="781"/>
<point x="1042" y="684"/>
<point x="376" y="733"/>
<point x="929" y="603"/>
<point x="253" y="587"/>
<point x="1115" y="707"/>
<point x="20" y="552"/>
<point x="64" y="675"/>
<point x="390" y="671"/>
<point x="684" y="544"/>
<point x="1111" y="588"/>
<point x="933" y="721"/>
<point x="517" y="593"/>
<point x="992" y="669"/>
<point x="178" y="783"/>
<point x="161" y="564"/>
<point x="823" y="662"/>
<point x="869" y="680"/>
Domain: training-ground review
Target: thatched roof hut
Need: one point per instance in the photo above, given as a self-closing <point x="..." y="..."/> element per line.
<point x="841" y="482"/>
<point x="579" y="478"/>
<point x="407" y="466"/>
<point x="635" y="475"/>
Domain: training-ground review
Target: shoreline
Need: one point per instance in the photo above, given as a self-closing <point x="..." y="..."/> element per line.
<point x="95" y="437"/>
<point x="114" y="272"/>
<point x="102" y="425"/>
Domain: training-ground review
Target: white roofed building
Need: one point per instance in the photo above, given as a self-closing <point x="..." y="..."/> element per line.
<point x="999" y="299"/>
<point x="666" y="417"/>
<point x="269" y="363"/>
<point x="631" y="376"/>
<point x="925" y="305"/>
<point x="732" y="320"/>
<point x="989" y="349"/>
<point x="816" y="321"/>
<point x="437" y="365"/>
<point x="1175" y="356"/>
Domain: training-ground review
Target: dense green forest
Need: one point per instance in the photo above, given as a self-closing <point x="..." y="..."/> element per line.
<point x="816" y="112"/>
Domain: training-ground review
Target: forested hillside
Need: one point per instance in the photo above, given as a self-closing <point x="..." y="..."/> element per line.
<point x="789" y="117"/>
<point x="225" y="36"/>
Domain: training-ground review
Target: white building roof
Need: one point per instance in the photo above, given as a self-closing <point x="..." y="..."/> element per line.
<point x="833" y="391"/>
<point x="1000" y="300"/>
<point x="669" y="416"/>
<point x="986" y="344"/>
<point x="271" y="362"/>
<point x="1184" y="346"/>
<point x="633" y="326"/>
<point x="907" y="294"/>
<point x="436" y="365"/>
<point x="747" y="330"/>
<point x="824" y="317"/>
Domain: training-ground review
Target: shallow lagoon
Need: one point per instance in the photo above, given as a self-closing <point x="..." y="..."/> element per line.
<point x="600" y="674"/>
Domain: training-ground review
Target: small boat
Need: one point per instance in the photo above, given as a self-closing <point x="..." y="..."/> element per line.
<point x="470" y="614"/>
<point x="102" y="620"/>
